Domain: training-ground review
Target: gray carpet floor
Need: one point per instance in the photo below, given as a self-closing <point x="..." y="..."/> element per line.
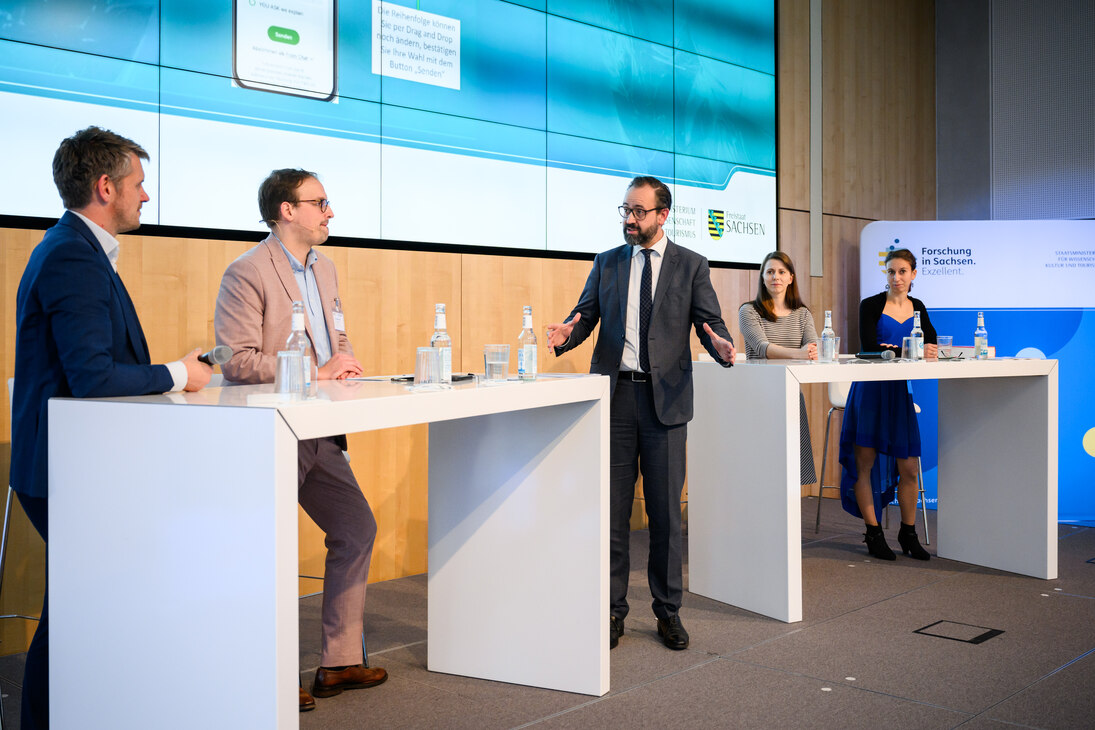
<point x="905" y="644"/>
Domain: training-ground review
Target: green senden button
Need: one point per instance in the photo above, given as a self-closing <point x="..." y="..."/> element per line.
<point x="283" y="35"/>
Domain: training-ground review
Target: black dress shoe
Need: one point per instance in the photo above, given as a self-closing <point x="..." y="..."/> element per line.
<point x="672" y="632"/>
<point x="615" y="631"/>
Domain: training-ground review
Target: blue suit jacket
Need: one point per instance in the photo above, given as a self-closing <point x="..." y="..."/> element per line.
<point x="684" y="299"/>
<point x="77" y="334"/>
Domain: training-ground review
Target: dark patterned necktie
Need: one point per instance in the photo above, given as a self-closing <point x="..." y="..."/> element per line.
<point x="646" y="305"/>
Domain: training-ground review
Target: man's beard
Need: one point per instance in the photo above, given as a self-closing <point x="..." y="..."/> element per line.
<point x="640" y="237"/>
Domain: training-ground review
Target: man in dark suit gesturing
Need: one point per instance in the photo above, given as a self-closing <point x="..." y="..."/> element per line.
<point x="77" y="334"/>
<point x="647" y="294"/>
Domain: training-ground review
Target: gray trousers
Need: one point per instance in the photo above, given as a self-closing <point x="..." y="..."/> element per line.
<point x="330" y="495"/>
<point x="639" y="441"/>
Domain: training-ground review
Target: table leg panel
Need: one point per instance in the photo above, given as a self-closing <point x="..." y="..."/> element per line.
<point x="743" y="492"/>
<point x="998" y="473"/>
<point x="518" y="547"/>
<point x="170" y="563"/>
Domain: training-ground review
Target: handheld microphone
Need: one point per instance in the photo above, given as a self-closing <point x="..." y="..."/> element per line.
<point x="219" y="355"/>
<point x="884" y="355"/>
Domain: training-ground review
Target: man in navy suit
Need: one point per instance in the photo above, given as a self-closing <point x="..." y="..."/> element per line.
<point x="648" y="294"/>
<point x="77" y="334"/>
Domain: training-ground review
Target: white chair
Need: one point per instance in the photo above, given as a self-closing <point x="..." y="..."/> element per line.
<point x="838" y="398"/>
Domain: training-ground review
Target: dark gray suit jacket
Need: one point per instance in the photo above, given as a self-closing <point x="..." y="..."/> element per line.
<point x="684" y="299"/>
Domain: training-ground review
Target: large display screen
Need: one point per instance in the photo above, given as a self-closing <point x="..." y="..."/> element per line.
<point x="464" y="122"/>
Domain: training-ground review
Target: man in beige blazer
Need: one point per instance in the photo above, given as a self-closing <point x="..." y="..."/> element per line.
<point x="253" y="317"/>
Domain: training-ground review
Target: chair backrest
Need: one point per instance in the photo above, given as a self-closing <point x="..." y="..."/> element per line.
<point x="838" y="394"/>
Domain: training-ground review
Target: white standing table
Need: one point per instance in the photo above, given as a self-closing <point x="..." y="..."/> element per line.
<point x="997" y="471"/>
<point x="173" y="544"/>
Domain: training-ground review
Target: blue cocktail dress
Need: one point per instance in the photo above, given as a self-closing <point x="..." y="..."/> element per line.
<point x="879" y="415"/>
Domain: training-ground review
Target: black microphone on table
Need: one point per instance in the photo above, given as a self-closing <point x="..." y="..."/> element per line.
<point x="219" y="355"/>
<point x="884" y="355"/>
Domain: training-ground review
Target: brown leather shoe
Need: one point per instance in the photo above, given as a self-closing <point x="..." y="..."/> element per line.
<point x="306" y="701"/>
<point x="330" y="682"/>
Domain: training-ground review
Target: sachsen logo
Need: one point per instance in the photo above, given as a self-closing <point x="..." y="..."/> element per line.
<point x="716" y="220"/>
<point x="720" y="223"/>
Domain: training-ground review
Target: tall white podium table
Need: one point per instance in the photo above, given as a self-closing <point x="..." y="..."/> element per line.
<point x="173" y="544"/>
<point x="997" y="471"/>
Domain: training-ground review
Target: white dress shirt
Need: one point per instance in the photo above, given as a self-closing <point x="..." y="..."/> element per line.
<point x="630" y="359"/>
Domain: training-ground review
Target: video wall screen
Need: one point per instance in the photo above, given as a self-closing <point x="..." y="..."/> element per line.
<point x="464" y="122"/>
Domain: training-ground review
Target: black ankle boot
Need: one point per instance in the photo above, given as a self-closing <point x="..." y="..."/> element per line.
<point x="876" y="543"/>
<point x="910" y="543"/>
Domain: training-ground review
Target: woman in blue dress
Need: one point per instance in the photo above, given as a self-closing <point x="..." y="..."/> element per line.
<point x="880" y="437"/>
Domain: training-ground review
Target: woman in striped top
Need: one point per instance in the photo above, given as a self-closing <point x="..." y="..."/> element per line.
<point x="776" y="324"/>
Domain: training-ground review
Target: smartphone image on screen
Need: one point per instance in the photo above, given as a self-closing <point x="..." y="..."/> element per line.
<point x="286" y="46"/>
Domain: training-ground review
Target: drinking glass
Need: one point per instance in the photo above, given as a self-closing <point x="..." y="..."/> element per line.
<point x="427" y="366"/>
<point x="495" y="363"/>
<point x="289" y="376"/>
<point x="908" y="348"/>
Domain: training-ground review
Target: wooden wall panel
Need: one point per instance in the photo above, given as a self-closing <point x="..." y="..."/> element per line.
<point x="793" y="94"/>
<point x="15" y="248"/>
<point x="879" y="109"/>
<point x="24" y="571"/>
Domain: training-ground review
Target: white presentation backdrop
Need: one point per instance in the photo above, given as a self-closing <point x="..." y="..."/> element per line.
<point x="987" y="264"/>
<point x="1035" y="282"/>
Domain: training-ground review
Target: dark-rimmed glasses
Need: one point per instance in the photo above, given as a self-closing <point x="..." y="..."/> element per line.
<point x="323" y="204"/>
<point x="639" y="213"/>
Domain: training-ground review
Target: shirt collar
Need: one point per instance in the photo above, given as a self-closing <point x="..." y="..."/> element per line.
<point x="298" y="268"/>
<point x="110" y="244"/>
<point x="658" y="247"/>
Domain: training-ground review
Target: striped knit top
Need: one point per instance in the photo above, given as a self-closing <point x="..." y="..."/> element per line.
<point x="794" y="330"/>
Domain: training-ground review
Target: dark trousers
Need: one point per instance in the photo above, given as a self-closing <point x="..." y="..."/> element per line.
<point x="639" y="442"/>
<point x="35" y="715"/>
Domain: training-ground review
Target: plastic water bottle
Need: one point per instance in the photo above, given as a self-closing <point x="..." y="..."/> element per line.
<point x="981" y="339"/>
<point x="828" y="339"/>
<point x="442" y="341"/>
<point x="298" y="340"/>
<point x="526" y="348"/>
<point x="917" y="335"/>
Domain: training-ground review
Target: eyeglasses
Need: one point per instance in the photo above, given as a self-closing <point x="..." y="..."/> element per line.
<point x="639" y="213"/>
<point x="323" y="203"/>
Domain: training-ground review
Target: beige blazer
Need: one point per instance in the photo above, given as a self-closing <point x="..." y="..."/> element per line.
<point x="255" y="308"/>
